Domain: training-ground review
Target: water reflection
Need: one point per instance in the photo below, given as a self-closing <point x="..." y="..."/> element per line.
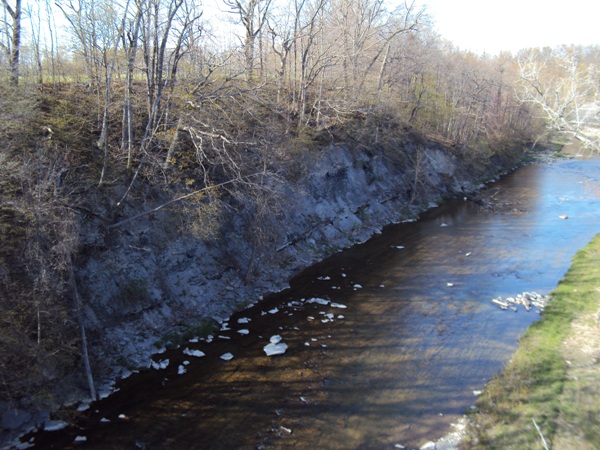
<point x="419" y="334"/>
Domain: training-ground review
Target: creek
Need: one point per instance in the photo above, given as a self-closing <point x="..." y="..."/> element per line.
<point x="408" y="334"/>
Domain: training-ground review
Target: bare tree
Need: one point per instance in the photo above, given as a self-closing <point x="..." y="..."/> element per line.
<point x="253" y="16"/>
<point x="563" y="89"/>
<point x="13" y="49"/>
<point x="130" y="37"/>
<point x="84" y="19"/>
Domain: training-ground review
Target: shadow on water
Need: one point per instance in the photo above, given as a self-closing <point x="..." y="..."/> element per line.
<point x="398" y="364"/>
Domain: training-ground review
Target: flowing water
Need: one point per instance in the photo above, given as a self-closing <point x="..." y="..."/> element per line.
<point x="400" y="363"/>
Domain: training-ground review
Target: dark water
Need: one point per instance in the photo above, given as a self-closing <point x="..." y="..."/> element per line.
<point x="402" y="363"/>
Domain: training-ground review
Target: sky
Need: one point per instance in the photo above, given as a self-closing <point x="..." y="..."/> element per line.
<point x="492" y="26"/>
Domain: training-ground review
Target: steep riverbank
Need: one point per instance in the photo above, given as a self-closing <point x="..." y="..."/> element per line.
<point x="149" y="282"/>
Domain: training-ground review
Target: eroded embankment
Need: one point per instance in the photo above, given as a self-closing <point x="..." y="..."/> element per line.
<point x="148" y="276"/>
<point x="149" y="280"/>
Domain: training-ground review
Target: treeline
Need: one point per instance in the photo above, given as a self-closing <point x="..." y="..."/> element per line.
<point x="105" y="103"/>
<point x="313" y="63"/>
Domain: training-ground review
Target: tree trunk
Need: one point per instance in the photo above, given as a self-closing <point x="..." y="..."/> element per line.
<point x="15" y="50"/>
<point x="84" y="346"/>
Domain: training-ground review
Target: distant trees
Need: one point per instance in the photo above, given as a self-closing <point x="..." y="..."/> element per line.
<point x="324" y="60"/>
<point x="563" y="84"/>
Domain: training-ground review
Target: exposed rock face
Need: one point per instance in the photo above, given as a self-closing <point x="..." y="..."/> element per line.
<point x="143" y="278"/>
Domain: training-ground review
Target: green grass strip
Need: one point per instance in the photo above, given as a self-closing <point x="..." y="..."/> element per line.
<point x="540" y="382"/>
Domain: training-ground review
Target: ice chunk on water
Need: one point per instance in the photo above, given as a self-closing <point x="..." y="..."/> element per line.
<point x="275" y="348"/>
<point x="226" y="356"/>
<point x="196" y="353"/>
<point x="54" y="425"/>
<point x="320" y="301"/>
<point x="162" y="364"/>
<point x="338" y="305"/>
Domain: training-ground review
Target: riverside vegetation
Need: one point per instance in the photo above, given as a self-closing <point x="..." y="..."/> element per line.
<point x="147" y="164"/>
<point x="548" y="395"/>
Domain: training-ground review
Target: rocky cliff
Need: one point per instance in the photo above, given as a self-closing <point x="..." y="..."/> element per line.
<point x="147" y="280"/>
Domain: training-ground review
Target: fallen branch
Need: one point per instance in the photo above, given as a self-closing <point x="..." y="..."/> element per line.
<point x="541" y="435"/>
<point x="183" y="197"/>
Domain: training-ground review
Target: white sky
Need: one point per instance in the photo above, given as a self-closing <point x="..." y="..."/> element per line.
<point x="491" y="26"/>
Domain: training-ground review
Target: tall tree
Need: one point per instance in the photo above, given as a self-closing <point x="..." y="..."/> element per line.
<point x="13" y="49"/>
<point x="253" y="16"/>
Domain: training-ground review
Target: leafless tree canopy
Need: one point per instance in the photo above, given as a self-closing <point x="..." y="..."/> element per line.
<point x="113" y="110"/>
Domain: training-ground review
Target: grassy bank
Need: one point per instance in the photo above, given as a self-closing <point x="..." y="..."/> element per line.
<point x="554" y="377"/>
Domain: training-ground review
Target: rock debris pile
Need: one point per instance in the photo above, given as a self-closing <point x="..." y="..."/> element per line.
<point x="528" y="300"/>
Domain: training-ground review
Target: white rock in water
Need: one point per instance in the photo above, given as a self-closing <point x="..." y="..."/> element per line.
<point x="196" y="353"/>
<point x="357" y="286"/>
<point x="324" y="278"/>
<point x="181" y="370"/>
<point x="83" y="407"/>
<point x="276" y="339"/>
<point x="450" y="284"/>
<point x="444" y="225"/>
<point x="320" y="301"/>
<point x="275" y="349"/>
<point x="226" y="356"/>
<point x="80" y="439"/>
<point x="273" y="311"/>
<point x="54" y="425"/>
<point x="105" y="393"/>
<point x="244" y="331"/>
<point x="428" y="446"/>
<point x="338" y="305"/>
<point x="104" y="420"/>
<point x="163" y="364"/>
<point x="243" y="320"/>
